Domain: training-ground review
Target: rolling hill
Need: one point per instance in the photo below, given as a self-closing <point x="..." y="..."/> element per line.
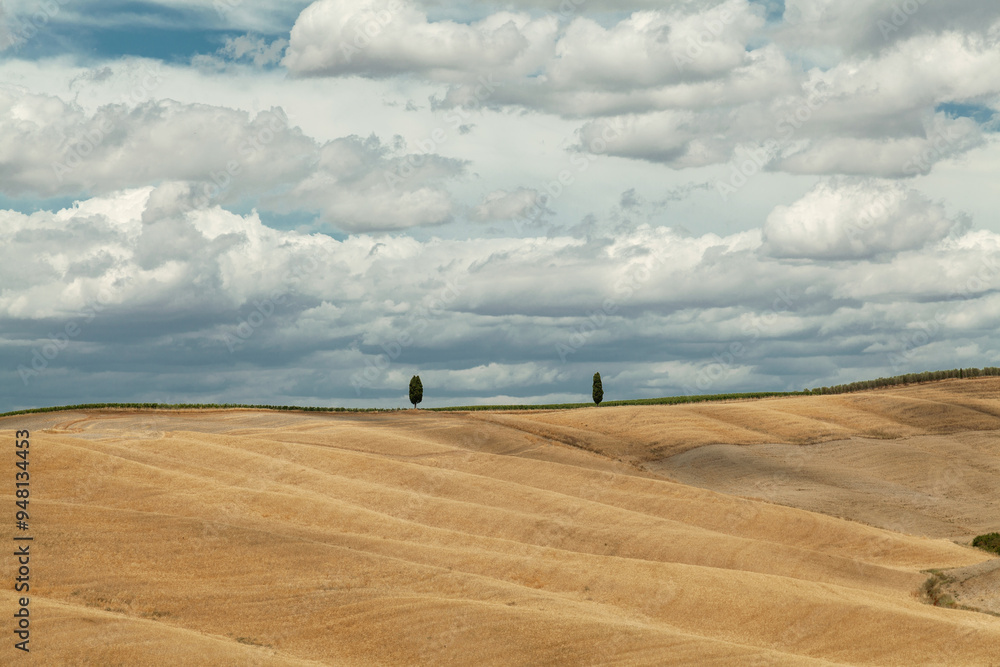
<point x="781" y="531"/>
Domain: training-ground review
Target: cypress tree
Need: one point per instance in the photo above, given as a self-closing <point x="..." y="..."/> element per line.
<point x="598" y="389"/>
<point x="416" y="390"/>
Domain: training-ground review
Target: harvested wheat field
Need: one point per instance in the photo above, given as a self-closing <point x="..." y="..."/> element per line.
<point x="625" y="536"/>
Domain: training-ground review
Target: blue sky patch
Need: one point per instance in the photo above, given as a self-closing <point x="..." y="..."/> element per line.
<point x="146" y="30"/>
<point x="775" y="9"/>
<point x="980" y="113"/>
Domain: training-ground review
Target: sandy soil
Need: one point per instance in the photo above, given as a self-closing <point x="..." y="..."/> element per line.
<point x="975" y="586"/>
<point x="256" y="538"/>
<point x="938" y="486"/>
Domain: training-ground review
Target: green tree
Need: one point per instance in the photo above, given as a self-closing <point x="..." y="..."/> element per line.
<point x="598" y="389"/>
<point x="416" y="390"/>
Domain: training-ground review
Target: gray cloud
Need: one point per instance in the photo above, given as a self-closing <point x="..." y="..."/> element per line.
<point x="170" y="295"/>
<point x="55" y="148"/>
<point x="536" y="59"/>
<point x="387" y="37"/>
<point x="154" y="289"/>
<point x="868" y="26"/>
<point x="504" y="205"/>
<point x="696" y="81"/>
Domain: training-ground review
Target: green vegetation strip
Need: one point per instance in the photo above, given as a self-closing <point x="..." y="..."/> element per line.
<point x="866" y="385"/>
<point x="669" y="400"/>
<point x="909" y="378"/>
<point x="189" y="406"/>
<point x="989" y="542"/>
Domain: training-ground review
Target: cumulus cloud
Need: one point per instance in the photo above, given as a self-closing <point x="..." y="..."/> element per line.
<point x="386" y="37"/>
<point x="654" y="48"/>
<point x="72" y="151"/>
<point x="360" y="186"/>
<point x="677" y="138"/>
<point x="504" y="205"/>
<point x="148" y="280"/>
<point x="873" y="116"/>
<point x="52" y="147"/>
<point x="696" y="81"/>
<point x="943" y="138"/>
<point x="492" y="378"/>
<point x="853" y="220"/>
<point x="578" y="68"/>
<point x="857" y="278"/>
<point x="256" y="49"/>
<point x="868" y="26"/>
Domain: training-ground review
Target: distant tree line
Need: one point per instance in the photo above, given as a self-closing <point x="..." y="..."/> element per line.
<point x="909" y="378"/>
<point x="188" y="406"/>
<point x="417" y="394"/>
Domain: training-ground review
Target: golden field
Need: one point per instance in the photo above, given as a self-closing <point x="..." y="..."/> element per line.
<point x="780" y="531"/>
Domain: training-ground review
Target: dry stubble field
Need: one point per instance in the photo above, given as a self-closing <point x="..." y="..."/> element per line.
<point x="781" y="531"/>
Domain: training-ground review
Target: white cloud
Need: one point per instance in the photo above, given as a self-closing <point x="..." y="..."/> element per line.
<point x="942" y="138"/>
<point x="491" y="378"/>
<point x="504" y="205"/>
<point x="653" y="48"/>
<point x="693" y="82"/>
<point x="52" y="147"/>
<point x="852" y="220"/>
<point x="484" y="317"/>
<point x="874" y="116"/>
<point x="826" y="288"/>
<point x="576" y="69"/>
<point x="257" y="50"/>
<point x="871" y="25"/>
<point x="387" y="37"/>
<point x="359" y="186"/>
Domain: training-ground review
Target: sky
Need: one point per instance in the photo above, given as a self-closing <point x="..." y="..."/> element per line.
<point x="254" y="201"/>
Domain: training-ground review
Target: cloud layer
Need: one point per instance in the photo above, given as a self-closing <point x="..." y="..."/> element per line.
<point x="688" y="197"/>
<point x="695" y="82"/>
<point x="147" y="288"/>
<point x="53" y="148"/>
